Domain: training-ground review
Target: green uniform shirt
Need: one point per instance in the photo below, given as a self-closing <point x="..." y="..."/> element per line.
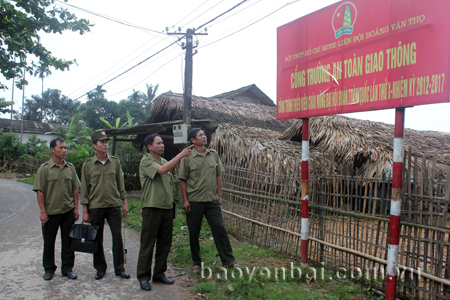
<point x="201" y="173"/>
<point x="102" y="185"/>
<point x="156" y="188"/>
<point x="58" y="185"/>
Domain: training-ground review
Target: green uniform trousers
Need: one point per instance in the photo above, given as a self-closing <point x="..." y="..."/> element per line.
<point x="157" y="226"/>
<point x="213" y="213"/>
<point x="49" y="232"/>
<point x="114" y="217"/>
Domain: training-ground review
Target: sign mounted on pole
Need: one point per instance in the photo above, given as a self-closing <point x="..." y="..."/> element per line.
<point x="364" y="55"/>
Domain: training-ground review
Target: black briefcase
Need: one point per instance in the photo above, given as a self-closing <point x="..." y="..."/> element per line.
<point x="84" y="238"/>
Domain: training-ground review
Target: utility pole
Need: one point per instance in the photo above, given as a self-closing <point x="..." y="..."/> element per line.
<point x="23" y="100"/>
<point x="187" y="94"/>
<point x="12" y="105"/>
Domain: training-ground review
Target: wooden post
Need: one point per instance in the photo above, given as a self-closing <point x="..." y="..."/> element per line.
<point x="305" y="192"/>
<point x="113" y="150"/>
<point x="396" y="205"/>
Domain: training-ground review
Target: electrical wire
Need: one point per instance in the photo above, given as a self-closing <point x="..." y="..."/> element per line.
<point x="103" y="77"/>
<point x="250" y="24"/>
<point x="143" y="66"/>
<point x="229" y="16"/>
<point x="189" y="14"/>
<point x="112" y="19"/>
<point x="147" y="76"/>
<point x="202" y="13"/>
<point x="179" y="39"/>
<point x="220" y="15"/>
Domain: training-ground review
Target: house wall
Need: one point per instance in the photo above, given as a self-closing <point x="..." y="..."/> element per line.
<point x="45" y="137"/>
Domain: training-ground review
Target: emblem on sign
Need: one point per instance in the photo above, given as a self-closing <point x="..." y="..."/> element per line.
<point x="344" y="18"/>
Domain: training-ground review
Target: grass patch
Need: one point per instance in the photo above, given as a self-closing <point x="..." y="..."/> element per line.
<point x="134" y="217"/>
<point x="29" y="180"/>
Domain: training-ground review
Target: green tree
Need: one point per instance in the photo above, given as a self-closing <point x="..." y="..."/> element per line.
<point x="149" y="96"/>
<point x="20" y="23"/>
<point x="5" y="106"/>
<point x="135" y="96"/>
<point x="42" y="73"/>
<point x="50" y="107"/>
<point x="97" y="107"/>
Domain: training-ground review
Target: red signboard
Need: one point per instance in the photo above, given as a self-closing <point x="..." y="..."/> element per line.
<point x="364" y="55"/>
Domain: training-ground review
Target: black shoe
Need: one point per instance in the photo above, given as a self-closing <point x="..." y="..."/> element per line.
<point x="145" y="285"/>
<point x="99" y="275"/>
<point x="124" y="275"/>
<point x="70" y="275"/>
<point x="48" y="276"/>
<point x="163" y="280"/>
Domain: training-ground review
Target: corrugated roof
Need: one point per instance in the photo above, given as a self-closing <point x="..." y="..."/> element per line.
<point x="28" y="126"/>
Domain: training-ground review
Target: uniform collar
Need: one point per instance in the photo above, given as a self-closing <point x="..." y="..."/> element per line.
<point x="97" y="160"/>
<point x="151" y="157"/>
<point x="194" y="152"/>
<point x="52" y="163"/>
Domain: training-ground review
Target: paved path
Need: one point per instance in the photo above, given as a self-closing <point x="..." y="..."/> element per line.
<point x="21" y="268"/>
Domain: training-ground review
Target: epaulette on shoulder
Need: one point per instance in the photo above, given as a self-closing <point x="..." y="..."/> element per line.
<point x="89" y="159"/>
<point x="212" y="150"/>
<point x="112" y="156"/>
<point x="70" y="164"/>
<point x="44" y="164"/>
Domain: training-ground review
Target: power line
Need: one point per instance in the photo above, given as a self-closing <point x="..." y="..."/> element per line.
<point x="142" y="66"/>
<point x="147" y="76"/>
<point x="115" y="64"/>
<point x="203" y="13"/>
<point x="179" y="39"/>
<point x="220" y="15"/>
<point x="189" y="13"/>
<point x="112" y="19"/>
<point x="250" y="24"/>
<point x="244" y="8"/>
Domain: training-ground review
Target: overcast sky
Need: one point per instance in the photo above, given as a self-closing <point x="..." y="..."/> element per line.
<point x="223" y="62"/>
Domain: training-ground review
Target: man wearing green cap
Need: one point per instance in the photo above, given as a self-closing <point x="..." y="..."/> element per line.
<point x="102" y="196"/>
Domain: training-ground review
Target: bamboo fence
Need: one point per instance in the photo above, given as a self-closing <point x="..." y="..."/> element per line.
<point x="349" y="222"/>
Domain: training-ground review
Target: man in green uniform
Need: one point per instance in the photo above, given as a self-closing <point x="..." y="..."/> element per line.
<point x="201" y="184"/>
<point x="157" y="211"/>
<point x="102" y="196"/>
<point x="56" y="185"/>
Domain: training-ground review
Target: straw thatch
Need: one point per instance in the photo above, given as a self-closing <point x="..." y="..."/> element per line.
<point x="369" y="145"/>
<point x="169" y="106"/>
<point x="262" y="150"/>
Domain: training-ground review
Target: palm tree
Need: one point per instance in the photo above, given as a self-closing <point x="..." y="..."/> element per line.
<point x="100" y="91"/>
<point x="149" y="96"/>
<point x="135" y="96"/>
<point x="42" y="72"/>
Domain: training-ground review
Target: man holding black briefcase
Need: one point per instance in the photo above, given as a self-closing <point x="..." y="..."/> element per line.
<point x="56" y="185"/>
<point x="102" y="196"/>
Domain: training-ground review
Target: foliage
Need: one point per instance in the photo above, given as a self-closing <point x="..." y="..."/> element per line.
<point x="149" y="96"/>
<point x="20" y="23"/>
<point x="50" y="107"/>
<point x="34" y="148"/>
<point x="29" y="180"/>
<point x="5" y="106"/>
<point x="128" y="123"/>
<point x="97" y="106"/>
<point x="78" y="141"/>
<point x="10" y="146"/>
<point x="42" y="73"/>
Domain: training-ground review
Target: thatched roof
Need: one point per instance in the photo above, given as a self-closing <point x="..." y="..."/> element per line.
<point x="169" y="106"/>
<point x="370" y="144"/>
<point x="241" y="92"/>
<point x="259" y="149"/>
